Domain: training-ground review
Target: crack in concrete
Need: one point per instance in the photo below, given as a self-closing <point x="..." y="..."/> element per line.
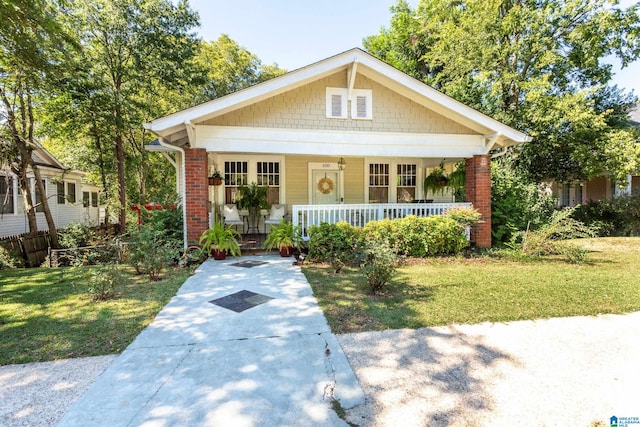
<point x="163" y="384"/>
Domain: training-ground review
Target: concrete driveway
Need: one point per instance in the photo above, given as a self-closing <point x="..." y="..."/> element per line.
<point x="268" y="358"/>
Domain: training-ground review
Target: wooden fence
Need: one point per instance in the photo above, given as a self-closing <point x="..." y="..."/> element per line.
<point x="33" y="248"/>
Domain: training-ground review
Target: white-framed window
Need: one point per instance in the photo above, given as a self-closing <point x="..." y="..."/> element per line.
<point x="235" y="175"/>
<point x="263" y="170"/>
<point x="406" y="179"/>
<point x="94" y="199"/>
<point x="37" y="197"/>
<point x="269" y="175"/>
<point x="336" y="102"/>
<point x="60" y="193"/>
<point x="362" y="104"/>
<point x="86" y="199"/>
<point x="378" y="182"/>
<point x="71" y="192"/>
<point x="7" y="200"/>
<point x="392" y="180"/>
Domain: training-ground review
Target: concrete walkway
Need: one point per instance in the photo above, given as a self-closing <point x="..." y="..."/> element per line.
<point x="271" y="362"/>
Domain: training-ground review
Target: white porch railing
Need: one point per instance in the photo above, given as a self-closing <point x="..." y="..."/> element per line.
<point x="305" y="216"/>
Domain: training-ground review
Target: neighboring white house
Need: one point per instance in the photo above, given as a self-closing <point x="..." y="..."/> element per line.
<point x="71" y="198"/>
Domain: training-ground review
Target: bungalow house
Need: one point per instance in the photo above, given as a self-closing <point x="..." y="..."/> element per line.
<point x="602" y="186"/>
<point x="347" y="138"/>
<point x="71" y="198"/>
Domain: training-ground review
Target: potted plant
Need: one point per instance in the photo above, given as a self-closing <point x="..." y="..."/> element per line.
<point x="220" y="240"/>
<point x="216" y="178"/>
<point x="284" y="236"/>
<point x="436" y="181"/>
<point x="252" y="198"/>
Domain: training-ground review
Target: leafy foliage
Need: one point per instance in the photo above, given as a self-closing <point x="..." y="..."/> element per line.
<point x="9" y="260"/>
<point x="379" y="264"/>
<point x="516" y="202"/>
<point x="535" y="66"/>
<point x="619" y="216"/>
<point x="149" y="251"/>
<point x="550" y="238"/>
<point x="77" y="235"/>
<point x="337" y="244"/>
<point x="105" y="281"/>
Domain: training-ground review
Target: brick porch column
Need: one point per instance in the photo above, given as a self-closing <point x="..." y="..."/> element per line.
<point x="196" y="192"/>
<point x="478" y="192"/>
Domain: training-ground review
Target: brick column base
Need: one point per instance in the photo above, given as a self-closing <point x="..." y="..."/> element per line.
<point x="478" y="192"/>
<point x="196" y="192"/>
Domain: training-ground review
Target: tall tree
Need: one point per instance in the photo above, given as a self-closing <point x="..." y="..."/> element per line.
<point x="228" y="67"/>
<point x="130" y="45"/>
<point x="31" y="45"/>
<point x="534" y="64"/>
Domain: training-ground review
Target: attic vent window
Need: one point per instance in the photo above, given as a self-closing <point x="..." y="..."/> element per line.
<point x="336" y="103"/>
<point x="362" y="104"/>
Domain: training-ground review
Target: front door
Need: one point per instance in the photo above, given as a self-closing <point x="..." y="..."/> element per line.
<point x="325" y="187"/>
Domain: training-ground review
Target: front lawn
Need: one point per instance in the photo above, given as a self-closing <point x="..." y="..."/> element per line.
<point x="442" y="291"/>
<point x="47" y="314"/>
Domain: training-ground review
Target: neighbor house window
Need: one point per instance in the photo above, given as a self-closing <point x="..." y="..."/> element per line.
<point x="268" y="174"/>
<point x="361" y="104"/>
<point x="336" y="103"/>
<point x="60" y="193"/>
<point x="38" y="197"/>
<point x="235" y="175"/>
<point x="86" y="199"/>
<point x="378" y="183"/>
<point x="6" y="195"/>
<point x="94" y="199"/>
<point x="406" y="183"/>
<point x="565" y="198"/>
<point x="71" y="192"/>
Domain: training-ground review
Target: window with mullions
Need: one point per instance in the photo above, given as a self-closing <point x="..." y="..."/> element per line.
<point x="37" y="196"/>
<point x="235" y="175"/>
<point x="269" y="175"/>
<point x="71" y="192"/>
<point x="86" y="199"/>
<point x="406" y="183"/>
<point x="60" y="193"/>
<point x="378" y="183"/>
<point x="94" y="199"/>
<point x="6" y="195"/>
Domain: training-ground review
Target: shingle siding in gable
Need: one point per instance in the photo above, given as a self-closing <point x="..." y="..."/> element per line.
<point x="305" y="108"/>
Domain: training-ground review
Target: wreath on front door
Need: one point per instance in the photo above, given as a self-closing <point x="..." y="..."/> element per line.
<point x="325" y="185"/>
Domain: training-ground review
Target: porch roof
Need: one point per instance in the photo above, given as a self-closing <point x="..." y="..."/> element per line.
<point x="184" y="127"/>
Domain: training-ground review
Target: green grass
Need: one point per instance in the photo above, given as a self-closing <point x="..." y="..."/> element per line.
<point x="458" y="290"/>
<point x="47" y="314"/>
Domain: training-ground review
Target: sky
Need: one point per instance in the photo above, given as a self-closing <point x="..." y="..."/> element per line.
<point x="296" y="33"/>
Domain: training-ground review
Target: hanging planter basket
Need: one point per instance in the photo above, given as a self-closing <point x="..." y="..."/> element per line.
<point x="214" y="180"/>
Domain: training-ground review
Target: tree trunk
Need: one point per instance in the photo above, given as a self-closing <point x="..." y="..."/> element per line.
<point x="27" y="200"/>
<point x="122" y="195"/>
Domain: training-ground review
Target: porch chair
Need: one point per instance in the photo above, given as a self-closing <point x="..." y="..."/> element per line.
<point x="231" y="216"/>
<point x="275" y="215"/>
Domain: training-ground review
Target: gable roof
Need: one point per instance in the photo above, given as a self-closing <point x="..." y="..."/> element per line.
<point x="175" y="127"/>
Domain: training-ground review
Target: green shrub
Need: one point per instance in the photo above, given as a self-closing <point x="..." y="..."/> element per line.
<point x="419" y="236"/>
<point x="550" y="238"/>
<point x="517" y="204"/>
<point x="465" y="216"/>
<point x="76" y="235"/>
<point x="379" y="264"/>
<point x="105" y="281"/>
<point x="149" y="251"/>
<point x="619" y="216"/>
<point x="9" y="260"/>
<point x="167" y="221"/>
<point x="335" y="243"/>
